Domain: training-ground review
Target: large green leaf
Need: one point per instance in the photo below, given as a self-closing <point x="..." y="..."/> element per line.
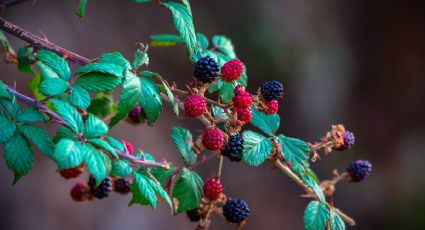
<point x="165" y="40"/>
<point x="39" y="137"/>
<point x="143" y="193"/>
<point x="188" y="190"/>
<point x="267" y="123"/>
<point x="336" y="222"/>
<point x="69" y="114"/>
<point x="94" y="127"/>
<point x="98" y="82"/>
<point x="53" y="86"/>
<point x="130" y="96"/>
<point x="183" y="22"/>
<point x="311" y="182"/>
<point x="104" y="145"/>
<point x="182" y="139"/>
<point x="79" y="97"/>
<point x="101" y="67"/>
<point x="115" y="58"/>
<point x="7" y="128"/>
<point x="121" y="168"/>
<point x="93" y="159"/>
<point x="68" y="154"/>
<point x="30" y="114"/>
<point x="56" y="63"/>
<point x="18" y="156"/>
<point x="81" y="8"/>
<point x="295" y="153"/>
<point x="316" y="216"/>
<point x="150" y="100"/>
<point x="256" y="148"/>
<point x="225" y="45"/>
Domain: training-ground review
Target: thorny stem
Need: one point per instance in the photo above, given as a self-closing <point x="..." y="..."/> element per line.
<point x="220" y="167"/>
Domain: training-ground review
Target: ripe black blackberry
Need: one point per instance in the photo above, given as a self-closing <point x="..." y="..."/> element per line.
<point x="235" y="211"/>
<point x="101" y="191"/>
<point x="206" y="70"/>
<point x="122" y="185"/>
<point x="358" y="170"/>
<point x="271" y="90"/>
<point x="193" y="215"/>
<point x="233" y="149"/>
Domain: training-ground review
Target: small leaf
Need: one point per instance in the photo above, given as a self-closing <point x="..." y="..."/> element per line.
<point x="9" y="106"/>
<point x="115" y="143"/>
<point x="7" y="128"/>
<point x="166" y="90"/>
<point x="182" y="139"/>
<point x="18" y="156"/>
<point x="98" y="82"/>
<point x="24" y="63"/>
<point x="267" y="123"/>
<point x="162" y="174"/>
<point x="3" y="91"/>
<point x="308" y="180"/>
<point x="102" y="106"/>
<point x="115" y="58"/>
<point x="256" y="148"/>
<point x="30" y="114"/>
<point x="94" y="162"/>
<point x="160" y="191"/>
<point x="39" y="137"/>
<point x="94" y="127"/>
<point x="130" y="96"/>
<point x="81" y="8"/>
<point x="202" y="40"/>
<point x="56" y="63"/>
<point x="316" y="216"/>
<point x="224" y="44"/>
<point x="53" y="86"/>
<point x="69" y="114"/>
<point x="226" y="91"/>
<point x="336" y="222"/>
<point x="143" y="193"/>
<point x="101" y="67"/>
<point x="104" y="145"/>
<point x="120" y="168"/>
<point x="33" y="86"/>
<point x="295" y="153"/>
<point x="219" y="113"/>
<point x="140" y="58"/>
<point x="79" y="97"/>
<point x="150" y="100"/>
<point x="188" y="190"/>
<point x="46" y="72"/>
<point x="64" y="132"/>
<point x="165" y="40"/>
<point x="68" y="154"/>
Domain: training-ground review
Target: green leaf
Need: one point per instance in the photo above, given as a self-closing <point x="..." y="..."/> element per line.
<point x="188" y="190"/>
<point x="68" y="154"/>
<point x="30" y="114"/>
<point x="165" y="40"/>
<point x="202" y="40"/>
<point x="183" y="22"/>
<point x="18" y="156"/>
<point x="256" y="148"/>
<point x="166" y="90"/>
<point x="79" y="97"/>
<point x="93" y="159"/>
<point x="226" y="91"/>
<point x="162" y="174"/>
<point x="7" y="128"/>
<point x="115" y="143"/>
<point x="94" y="127"/>
<point x="3" y="91"/>
<point x="150" y="100"/>
<point x="39" y="137"/>
<point x="115" y="58"/>
<point x="98" y="82"/>
<point x="33" y="86"/>
<point x="267" y="123"/>
<point x="24" y="63"/>
<point x="64" y="132"/>
<point x="69" y="114"/>
<point x="104" y="145"/>
<point x="160" y="191"/>
<point x="336" y="222"/>
<point x="9" y="106"/>
<point x="140" y="58"/>
<point x="224" y="44"/>
<point x="101" y="67"/>
<point x="53" y="86"/>
<point x="120" y="168"/>
<point x="219" y="113"/>
<point x="56" y="63"/>
<point x="46" y="72"/>
<point x="130" y="96"/>
<point x="143" y="193"/>
<point x="295" y="153"/>
<point x="81" y="8"/>
<point x="311" y="182"/>
<point x="316" y="216"/>
<point x="102" y="105"/>
<point x="182" y="139"/>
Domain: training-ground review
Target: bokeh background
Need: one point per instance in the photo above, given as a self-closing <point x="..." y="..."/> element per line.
<point x="361" y="63"/>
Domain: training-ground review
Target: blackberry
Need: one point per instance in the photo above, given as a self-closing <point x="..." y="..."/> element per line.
<point x="80" y="192"/>
<point x="212" y="189"/>
<point x="194" y="105"/>
<point x="136" y="115"/>
<point x="102" y="190"/>
<point x="193" y="215"/>
<point x="232" y="70"/>
<point x="122" y="185"/>
<point x="206" y="70"/>
<point x="213" y="139"/>
<point x="349" y="140"/>
<point x="358" y="170"/>
<point x="235" y="211"/>
<point x="233" y="149"/>
<point x="271" y="90"/>
<point x="272" y="107"/>
<point x="72" y="172"/>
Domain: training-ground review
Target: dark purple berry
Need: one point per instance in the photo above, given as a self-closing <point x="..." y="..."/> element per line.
<point x="235" y="211"/>
<point x="206" y="70"/>
<point x="193" y="215"/>
<point x="135" y="113"/>
<point x="358" y="170"/>
<point x="271" y="90"/>
<point x="101" y="191"/>
<point x="349" y="140"/>
<point x="122" y="185"/>
<point x="233" y="149"/>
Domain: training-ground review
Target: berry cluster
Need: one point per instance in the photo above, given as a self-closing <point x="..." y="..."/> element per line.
<point x="213" y="139"/>
<point x="102" y="190"/>
<point x="88" y="191"/>
<point x="194" y="105"/>
<point x="358" y="170"/>
<point x="241" y="103"/>
<point x="234" y="148"/>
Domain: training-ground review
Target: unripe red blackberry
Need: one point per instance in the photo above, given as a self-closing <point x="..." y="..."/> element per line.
<point x="271" y="90"/>
<point x="231" y="70"/>
<point x="137" y="115"/>
<point x="212" y="189"/>
<point x="242" y="99"/>
<point x="235" y="211"/>
<point x="244" y="114"/>
<point x="71" y="172"/>
<point x="101" y="191"/>
<point x="206" y="70"/>
<point x="194" y="105"/>
<point x="128" y="146"/>
<point x="193" y="215"/>
<point x="272" y="107"/>
<point x="80" y="192"/>
<point x="349" y="140"/>
<point x="234" y="148"/>
<point x="122" y="185"/>
<point x="358" y="170"/>
<point x="213" y="139"/>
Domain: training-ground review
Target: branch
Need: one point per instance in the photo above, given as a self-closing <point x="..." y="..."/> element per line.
<point x="9" y="3"/>
<point x="40" y="43"/>
<point x="58" y="119"/>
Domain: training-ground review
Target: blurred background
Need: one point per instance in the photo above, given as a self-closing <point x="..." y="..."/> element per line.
<point x="359" y="63"/>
